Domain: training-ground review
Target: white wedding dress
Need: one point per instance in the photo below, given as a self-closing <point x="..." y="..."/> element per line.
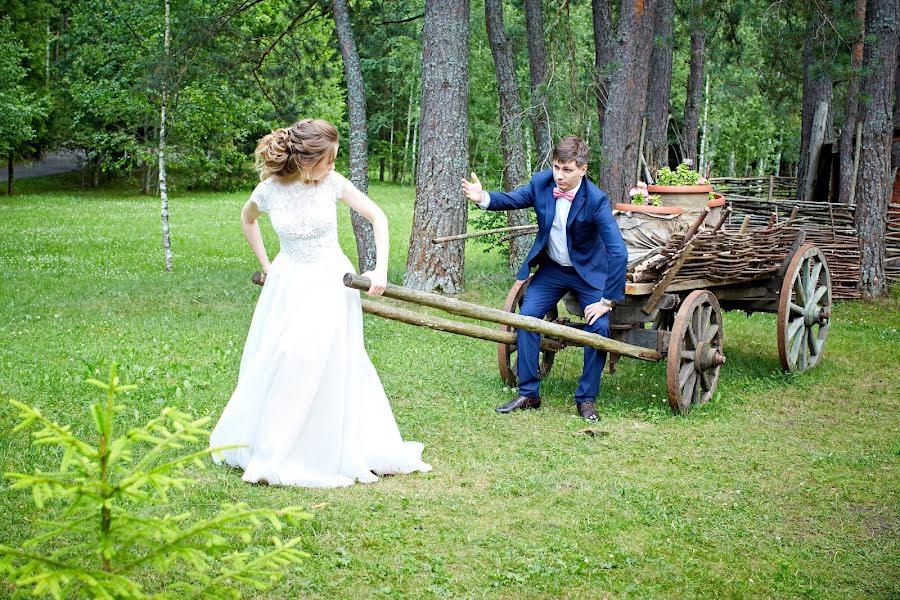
<point x="309" y="408"/>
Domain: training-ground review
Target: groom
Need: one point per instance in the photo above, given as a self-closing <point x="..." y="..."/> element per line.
<point x="578" y="248"/>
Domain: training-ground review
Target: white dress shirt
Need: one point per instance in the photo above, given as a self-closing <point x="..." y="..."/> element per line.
<point x="557" y="245"/>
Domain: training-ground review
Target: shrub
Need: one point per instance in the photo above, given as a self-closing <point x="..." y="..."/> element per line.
<point x="108" y="533"/>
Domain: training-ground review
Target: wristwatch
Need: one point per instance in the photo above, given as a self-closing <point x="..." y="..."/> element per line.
<point x="608" y="303"/>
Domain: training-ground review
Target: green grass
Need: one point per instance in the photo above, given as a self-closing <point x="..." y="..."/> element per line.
<point x="783" y="486"/>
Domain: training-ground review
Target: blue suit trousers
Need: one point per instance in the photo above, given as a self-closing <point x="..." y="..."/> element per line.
<point x="550" y="283"/>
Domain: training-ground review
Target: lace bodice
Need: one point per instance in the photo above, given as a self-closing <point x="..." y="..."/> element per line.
<point x="303" y="215"/>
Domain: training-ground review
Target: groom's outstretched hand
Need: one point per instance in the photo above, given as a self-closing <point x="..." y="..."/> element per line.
<point x="473" y="190"/>
<point x="378" y="282"/>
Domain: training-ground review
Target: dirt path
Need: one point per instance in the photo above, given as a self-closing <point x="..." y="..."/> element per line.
<point x="53" y="164"/>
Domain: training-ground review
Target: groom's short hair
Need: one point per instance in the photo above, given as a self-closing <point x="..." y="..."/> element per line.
<point x="572" y="148"/>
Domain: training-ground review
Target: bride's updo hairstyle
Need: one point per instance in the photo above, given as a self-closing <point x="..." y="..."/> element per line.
<point x="301" y="149"/>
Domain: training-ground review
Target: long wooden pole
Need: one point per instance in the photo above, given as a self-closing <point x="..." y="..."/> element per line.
<point x="464" y="236"/>
<point x="395" y="313"/>
<point x="475" y="311"/>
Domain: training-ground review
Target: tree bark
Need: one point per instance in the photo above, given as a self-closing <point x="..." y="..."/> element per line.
<point x="537" y="61"/>
<point x="816" y="89"/>
<point x="512" y="146"/>
<point x="440" y="208"/>
<point x="848" y="129"/>
<point x="895" y="148"/>
<point x="356" y="109"/>
<point x="627" y="93"/>
<point x="163" y="190"/>
<point x="873" y="186"/>
<point x="659" y="86"/>
<point x="604" y="49"/>
<point x="695" y="83"/>
<point x="10" y="171"/>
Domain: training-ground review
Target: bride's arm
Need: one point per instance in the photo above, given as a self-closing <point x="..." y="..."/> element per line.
<point x="370" y="211"/>
<point x="249" y="215"/>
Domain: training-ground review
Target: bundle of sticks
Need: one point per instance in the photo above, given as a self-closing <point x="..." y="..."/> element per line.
<point x="726" y="255"/>
<point x="892" y="244"/>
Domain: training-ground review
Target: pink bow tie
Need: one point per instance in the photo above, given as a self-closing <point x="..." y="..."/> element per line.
<point x="558" y="193"/>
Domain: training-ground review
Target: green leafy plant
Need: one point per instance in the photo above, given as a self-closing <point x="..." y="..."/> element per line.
<point x="111" y="529"/>
<point x="682" y="175"/>
<point x="482" y="220"/>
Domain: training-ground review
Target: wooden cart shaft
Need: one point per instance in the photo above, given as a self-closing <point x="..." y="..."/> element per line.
<point x="475" y="311"/>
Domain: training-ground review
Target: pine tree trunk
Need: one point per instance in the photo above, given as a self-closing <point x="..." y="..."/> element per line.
<point x="163" y="191"/>
<point x="895" y="148"/>
<point x="659" y="86"/>
<point x="440" y="208"/>
<point x="816" y="89"/>
<point x="514" y="173"/>
<point x="695" y="83"/>
<point x="537" y="61"/>
<point x="604" y="50"/>
<point x="873" y="186"/>
<point x="356" y="109"/>
<point x="848" y="129"/>
<point x="627" y="94"/>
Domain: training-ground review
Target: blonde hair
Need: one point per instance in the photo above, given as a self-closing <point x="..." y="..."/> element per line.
<point x="297" y="150"/>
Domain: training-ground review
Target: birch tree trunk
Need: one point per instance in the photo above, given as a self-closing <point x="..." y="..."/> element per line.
<point x="163" y="191"/>
<point x="440" y="208"/>
<point x="604" y="49"/>
<point x="409" y="114"/>
<point x="356" y="109"/>
<point x="514" y="173"/>
<point x="659" y="86"/>
<point x="695" y="83"/>
<point x="537" y="61"/>
<point x="627" y="95"/>
<point x="873" y="186"/>
<point x="816" y="90"/>
<point x="848" y="129"/>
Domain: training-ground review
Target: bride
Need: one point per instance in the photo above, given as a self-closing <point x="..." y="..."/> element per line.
<point x="309" y="409"/>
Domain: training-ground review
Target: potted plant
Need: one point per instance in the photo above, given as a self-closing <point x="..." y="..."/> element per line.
<point x="687" y="189"/>
<point x="644" y="220"/>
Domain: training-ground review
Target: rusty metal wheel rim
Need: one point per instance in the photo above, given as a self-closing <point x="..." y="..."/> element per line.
<point x="506" y="353"/>
<point x="804" y="310"/>
<point x="695" y="352"/>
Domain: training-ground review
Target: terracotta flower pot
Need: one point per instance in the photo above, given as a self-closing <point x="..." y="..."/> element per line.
<point x="649" y="209"/>
<point x="717" y="202"/>
<point x="692" y="198"/>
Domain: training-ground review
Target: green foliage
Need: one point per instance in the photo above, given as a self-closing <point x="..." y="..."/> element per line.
<point x="682" y="175"/>
<point x="112" y="527"/>
<point x="482" y="220"/>
<point x="21" y="109"/>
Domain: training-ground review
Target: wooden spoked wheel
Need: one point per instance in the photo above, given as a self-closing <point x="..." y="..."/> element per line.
<point x="507" y="353"/>
<point x="804" y="310"/>
<point x="695" y="351"/>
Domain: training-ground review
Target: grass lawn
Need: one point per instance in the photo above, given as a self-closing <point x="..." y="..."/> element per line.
<point x="783" y="486"/>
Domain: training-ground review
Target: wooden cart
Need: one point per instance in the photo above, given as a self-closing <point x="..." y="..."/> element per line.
<point x="672" y="310"/>
<point x="675" y="308"/>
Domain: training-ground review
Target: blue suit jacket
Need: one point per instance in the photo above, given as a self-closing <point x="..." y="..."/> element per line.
<point x="595" y="244"/>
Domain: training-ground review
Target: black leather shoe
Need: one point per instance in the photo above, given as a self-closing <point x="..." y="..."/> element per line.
<point x="519" y="403"/>
<point x="588" y="411"/>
